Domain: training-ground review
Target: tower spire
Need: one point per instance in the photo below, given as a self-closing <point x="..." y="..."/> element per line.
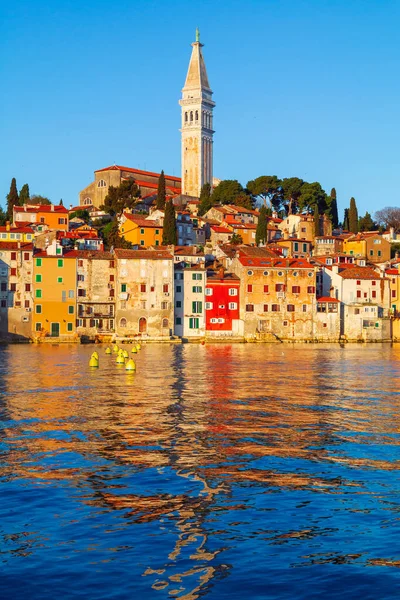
<point x="197" y="124"/>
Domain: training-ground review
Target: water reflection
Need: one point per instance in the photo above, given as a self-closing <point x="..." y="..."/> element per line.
<point x="206" y="456"/>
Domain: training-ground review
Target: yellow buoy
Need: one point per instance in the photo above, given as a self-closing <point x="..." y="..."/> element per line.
<point x="108" y="350"/>
<point x="120" y="359"/>
<point x="125" y="354"/>
<point x="130" y="365"/>
<point x="95" y="355"/>
<point x="93" y="362"/>
<point x="115" y="349"/>
<point x="138" y="347"/>
<point x="134" y="350"/>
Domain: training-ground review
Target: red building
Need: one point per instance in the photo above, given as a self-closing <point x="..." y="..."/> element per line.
<point x="222" y="302"/>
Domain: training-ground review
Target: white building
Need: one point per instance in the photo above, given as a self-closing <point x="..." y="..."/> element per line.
<point x="189" y="282"/>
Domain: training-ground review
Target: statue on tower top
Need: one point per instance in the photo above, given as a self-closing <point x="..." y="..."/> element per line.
<point x="197" y="34"/>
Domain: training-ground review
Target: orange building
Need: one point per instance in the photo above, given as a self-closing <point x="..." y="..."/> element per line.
<point x="139" y="231"/>
<point x="55" y="217"/>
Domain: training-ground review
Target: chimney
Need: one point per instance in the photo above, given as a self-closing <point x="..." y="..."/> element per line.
<point x="221" y="271"/>
<point x="25" y="206"/>
<point x="7" y="225"/>
<point x="52" y="208"/>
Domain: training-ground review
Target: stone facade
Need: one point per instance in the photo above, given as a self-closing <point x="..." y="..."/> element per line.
<point x="145" y="293"/>
<point x="16" y="291"/>
<point x="197" y="125"/>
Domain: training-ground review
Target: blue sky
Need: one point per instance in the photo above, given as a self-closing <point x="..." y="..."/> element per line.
<point x="303" y="88"/>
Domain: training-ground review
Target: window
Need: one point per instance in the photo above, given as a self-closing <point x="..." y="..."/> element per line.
<point x="305" y="248"/>
<point x="112" y="264"/>
<point x="304" y="307"/>
<point x="60" y="262"/>
<point x="358" y="282"/>
<point x="193" y="323"/>
<point x="27" y="287"/>
<point x="296" y="246"/>
<point x="157" y="231"/>
<point x="13" y="256"/>
<point x="290" y="307"/>
<point x="13" y="272"/>
<point x="249" y="288"/>
<point x="374" y="293"/>
<point x="81" y="293"/>
<point x="13" y="287"/>
<point x="3" y="286"/>
<point x="374" y="282"/>
<point x="70" y="310"/>
<point x="38" y="327"/>
<point x="209" y="305"/>
<point x="38" y="309"/>
<point x="81" y="278"/>
<point x="280" y="273"/>
<point x="38" y="278"/>
<point x="143" y="304"/>
<point x="165" y="323"/>
<point x="142" y="242"/>
<point x="310" y="289"/>
<point x="178" y="321"/>
<point x="197" y="276"/>
<point x="122" y="322"/>
<point x="393" y="294"/>
<point x="232" y="305"/>
<point x="371" y="252"/>
<point x="249" y="307"/>
<point x="265" y="308"/>
<point x="285" y="323"/>
<point x="26" y="256"/>
<point x="275" y="308"/>
<point x="197" y="307"/>
<point x="123" y="287"/>
<point x="38" y="293"/>
<point x="197" y="289"/>
<point x="178" y="304"/>
<point x="358" y="293"/>
<point x="379" y="253"/>
<point x="61" y="221"/>
<point x="232" y="292"/>
<point x="143" y="288"/>
<point x="102" y="183"/>
<point x="266" y="289"/>
<point x="69" y="326"/>
<point x="165" y="288"/>
<point x="266" y="273"/>
<point x="249" y="272"/>
<point x="164" y="305"/>
<point x="280" y="287"/>
<point x="59" y="279"/>
<point x="295" y="289"/>
<point x="3" y="304"/>
<point x="332" y="307"/>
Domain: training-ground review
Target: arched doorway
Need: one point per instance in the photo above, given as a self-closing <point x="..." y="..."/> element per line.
<point x="165" y="323"/>
<point x="142" y="325"/>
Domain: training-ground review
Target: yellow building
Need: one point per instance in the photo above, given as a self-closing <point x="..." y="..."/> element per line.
<point x="139" y="231"/>
<point x="54" y="291"/>
<point x="369" y="245"/>
<point x="393" y="275"/>
<point x="16" y="234"/>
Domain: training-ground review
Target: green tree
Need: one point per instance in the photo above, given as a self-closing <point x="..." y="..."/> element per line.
<point x="291" y="191"/>
<point x="3" y="217"/>
<point x="169" y="228"/>
<point x="353" y="216"/>
<point x="236" y="239"/>
<point x="366" y="223"/>
<point x="61" y="202"/>
<point x="37" y="199"/>
<point x="316" y="221"/>
<point x="118" y="198"/>
<point x="161" y="193"/>
<point x="205" y="199"/>
<point x="230" y="191"/>
<point x="312" y="195"/>
<point x="24" y="195"/>
<point x="81" y="214"/>
<point x="268" y="189"/>
<point x="346" y="220"/>
<point x="261" y="231"/>
<point x="12" y="199"/>
<point x="112" y="238"/>
<point x="332" y="208"/>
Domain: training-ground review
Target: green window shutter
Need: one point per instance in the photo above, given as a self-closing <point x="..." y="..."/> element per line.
<point x="60" y="262"/>
<point x="69" y="326"/>
<point x="200" y="308"/>
<point x="123" y="287"/>
<point x="38" y="294"/>
<point x="59" y="279"/>
<point x="38" y="326"/>
<point x="38" y="309"/>
<point x="38" y="278"/>
<point x="38" y="262"/>
<point x="70" y="310"/>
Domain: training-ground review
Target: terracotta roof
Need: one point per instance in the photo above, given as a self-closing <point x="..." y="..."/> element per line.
<point x="356" y="272"/>
<point x="141" y="222"/>
<point x="219" y="229"/>
<point x="327" y="299"/>
<point x="95" y="254"/>
<point x="187" y="250"/>
<point x="244" y="225"/>
<point x="15" y="246"/>
<point x="137" y="171"/>
<point x="214" y="276"/>
<point x="255" y="251"/>
<point x="143" y="254"/>
<point x="65" y="254"/>
<point x="46" y="208"/>
<point x="23" y="229"/>
<point x="392" y="272"/>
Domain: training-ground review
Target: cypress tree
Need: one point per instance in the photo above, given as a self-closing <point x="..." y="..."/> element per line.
<point x="346" y="219"/>
<point x="169" y="228"/>
<point x="12" y="199"/>
<point x="24" y="195"/>
<point x="353" y="216"/>
<point x="261" y="231"/>
<point x="205" y="199"/>
<point x="161" y="193"/>
<point x="60" y="203"/>
<point x="333" y="209"/>
<point x="316" y="221"/>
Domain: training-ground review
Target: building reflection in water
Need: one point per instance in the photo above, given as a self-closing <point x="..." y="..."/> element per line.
<point x="170" y="443"/>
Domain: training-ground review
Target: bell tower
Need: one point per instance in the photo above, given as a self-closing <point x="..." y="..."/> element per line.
<point x="197" y="125"/>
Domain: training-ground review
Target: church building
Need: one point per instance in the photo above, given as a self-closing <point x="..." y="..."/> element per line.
<point x="196" y="145"/>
